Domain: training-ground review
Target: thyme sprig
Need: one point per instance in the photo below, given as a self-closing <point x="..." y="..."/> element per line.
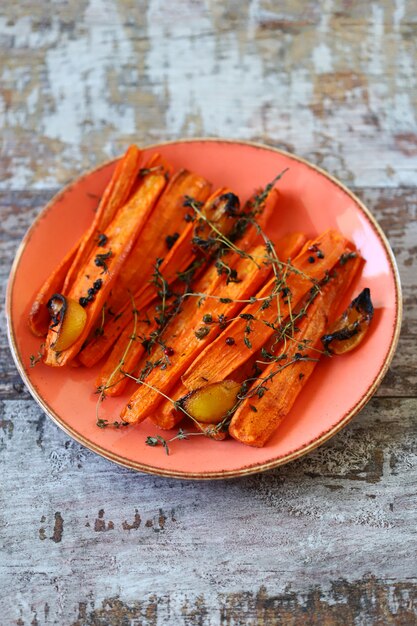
<point x="190" y="202"/>
<point x="170" y="303"/>
<point x="102" y="423"/>
<point x="110" y="381"/>
<point x="99" y="330"/>
<point x="34" y="359"/>
<point x="159" y="440"/>
<point x="262" y="196"/>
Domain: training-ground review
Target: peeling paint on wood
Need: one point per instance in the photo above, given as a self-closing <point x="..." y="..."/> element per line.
<point x="278" y="73"/>
<point x="328" y="539"/>
<point x="364" y="601"/>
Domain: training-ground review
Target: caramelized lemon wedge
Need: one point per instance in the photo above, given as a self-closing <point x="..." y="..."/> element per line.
<point x="68" y="319"/>
<point x="210" y="404"/>
<point x="350" y="328"/>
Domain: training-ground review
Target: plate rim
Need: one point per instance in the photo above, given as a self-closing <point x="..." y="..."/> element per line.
<point x="245" y="470"/>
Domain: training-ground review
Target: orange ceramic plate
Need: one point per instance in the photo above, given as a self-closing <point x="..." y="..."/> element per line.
<point x="311" y="202"/>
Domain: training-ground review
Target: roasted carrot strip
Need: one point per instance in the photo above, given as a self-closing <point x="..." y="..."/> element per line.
<point x="114" y="197"/>
<point x="191" y="331"/>
<point x="159" y="234"/>
<point x="177" y="260"/>
<point x="106" y="261"/>
<point x="214" y="363"/>
<point x="39" y="318"/>
<point x="166" y="415"/>
<point x="125" y="354"/>
<point x="188" y="334"/>
<point x="257" y="418"/>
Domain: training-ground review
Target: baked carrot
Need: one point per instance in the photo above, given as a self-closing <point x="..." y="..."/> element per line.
<point x="188" y="333"/>
<point x="260" y="414"/>
<point x="126" y="353"/>
<point x="115" y="196"/>
<point x="291" y="284"/>
<point x="130" y="352"/>
<point x="159" y="234"/>
<point x="105" y="262"/>
<point x="39" y="318"/>
<point x="196" y="327"/>
<point x="166" y="415"/>
<point x="177" y="260"/>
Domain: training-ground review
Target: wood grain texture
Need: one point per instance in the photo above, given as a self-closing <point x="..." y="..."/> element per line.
<point x="328" y="539"/>
<point x="319" y="78"/>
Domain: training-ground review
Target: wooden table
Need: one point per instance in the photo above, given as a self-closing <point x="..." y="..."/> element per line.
<point x="329" y="539"/>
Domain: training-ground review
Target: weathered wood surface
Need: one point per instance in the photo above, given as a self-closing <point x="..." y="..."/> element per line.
<point x="329" y="539"/>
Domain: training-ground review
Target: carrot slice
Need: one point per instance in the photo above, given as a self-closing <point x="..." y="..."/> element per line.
<point x="159" y="234"/>
<point x="39" y="317"/>
<point x="105" y="262"/>
<point x="176" y="261"/>
<point x="193" y="329"/>
<point x="166" y="415"/>
<point x="114" y="197"/>
<point x="215" y="363"/>
<point x="188" y="334"/>
<point x="180" y="258"/>
<point x="125" y="354"/>
<point x="257" y="418"/>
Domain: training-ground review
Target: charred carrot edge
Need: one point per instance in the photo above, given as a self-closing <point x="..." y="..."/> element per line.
<point x="158" y="236"/>
<point x="114" y="197"/>
<point x="185" y="332"/>
<point x="254" y="428"/>
<point x="105" y="262"/>
<point x="39" y="317"/>
<point x="215" y="364"/>
<point x="177" y="260"/>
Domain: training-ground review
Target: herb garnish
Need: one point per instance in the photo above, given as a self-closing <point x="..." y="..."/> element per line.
<point x="36" y="358"/>
<point x="100" y="260"/>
